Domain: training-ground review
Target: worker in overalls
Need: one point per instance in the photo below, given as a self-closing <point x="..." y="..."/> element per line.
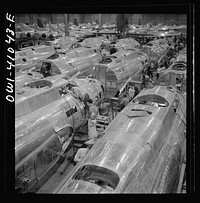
<point x="92" y="120"/>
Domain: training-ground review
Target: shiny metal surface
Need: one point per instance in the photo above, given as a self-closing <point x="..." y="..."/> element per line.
<point x="182" y="55"/>
<point x="116" y="69"/>
<point x="177" y="69"/>
<point x="21" y="79"/>
<point x="94" y="42"/>
<point x="142" y="147"/>
<point x="127" y="43"/>
<point x="29" y="57"/>
<point x="41" y="114"/>
<point x="32" y="98"/>
<point x="156" y="49"/>
<point x="69" y="63"/>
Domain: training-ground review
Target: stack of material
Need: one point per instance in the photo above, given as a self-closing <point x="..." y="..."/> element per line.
<point x="102" y="123"/>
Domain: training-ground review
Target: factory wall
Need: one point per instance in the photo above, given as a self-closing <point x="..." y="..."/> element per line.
<point x="141" y="19"/>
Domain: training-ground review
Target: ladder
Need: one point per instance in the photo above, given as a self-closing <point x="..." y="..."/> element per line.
<point x="102" y="123"/>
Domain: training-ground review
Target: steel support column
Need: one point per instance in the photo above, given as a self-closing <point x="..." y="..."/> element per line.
<point x="66" y="24"/>
<point x="100" y="21"/>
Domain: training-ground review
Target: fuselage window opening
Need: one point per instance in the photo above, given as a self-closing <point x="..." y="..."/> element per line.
<point x="100" y="176"/>
<point x="153" y="100"/>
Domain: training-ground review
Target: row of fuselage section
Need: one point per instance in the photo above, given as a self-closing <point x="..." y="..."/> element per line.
<point x="176" y="74"/>
<point x="29" y="62"/>
<point x="143" y="147"/>
<point x="45" y="118"/>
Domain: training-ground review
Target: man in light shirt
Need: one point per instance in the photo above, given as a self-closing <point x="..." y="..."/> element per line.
<point x="92" y="129"/>
<point x="81" y="153"/>
<point x="92" y="108"/>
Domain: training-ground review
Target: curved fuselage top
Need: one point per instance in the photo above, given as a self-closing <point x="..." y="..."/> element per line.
<point x="28" y="57"/>
<point x="182" y="56"/>
<point x="68" y="63"/>
<point x="33" y="98"/>
<point x="156" y="49"/>
<point x="122" y="66"/>
<point x="44" y="113"/>
<point x="127" y="141"/>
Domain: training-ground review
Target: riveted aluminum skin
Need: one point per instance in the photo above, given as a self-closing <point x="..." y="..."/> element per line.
<point x="156" y="49"/>
<point x="68" y="63"/>
<point x="177" y="69"/>
<point x="142" y="145"/>
<point x="41" y="113"/>
<point x="29" y="57"/>
<point x="122" y="66"/>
